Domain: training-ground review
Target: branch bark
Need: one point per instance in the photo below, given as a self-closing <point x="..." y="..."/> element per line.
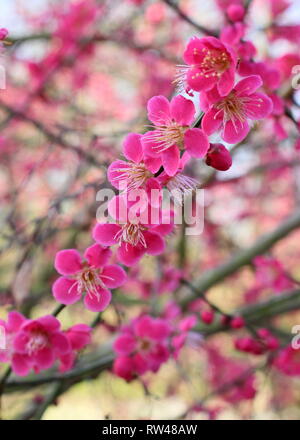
<point x="243" y="258"/>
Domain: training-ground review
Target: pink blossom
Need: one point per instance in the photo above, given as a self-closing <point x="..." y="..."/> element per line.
<point x="33" y="343"/>
<point x="271" y="274"/>
<point x="134" y="234"/>
<point x="3" y="33"/>
<point x="138" y="171"/>
<point x="182" y="333"/>
<point x="172" y="132"/>
<point x="287" y="32"/>
<point x="224" y="371"/>
<point x="179" y="185"/>
<point x="79" y="337"/>
<point x="268" y="72"/>
<point x="91" y="275"/>
<point x="285" y="64"/>
<point x="142" y="346"/>
<point x="210" y="63"/>
<point x="278" y="6"/>
<point x="232" y="112"/>
<point x="288" y="361"/>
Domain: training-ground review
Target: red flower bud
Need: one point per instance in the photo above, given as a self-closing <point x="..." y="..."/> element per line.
<point x="237" y="322"/>
<point x="207" y="316"/>
<point x="236" y="12"/>
<point x="218" y="157"/>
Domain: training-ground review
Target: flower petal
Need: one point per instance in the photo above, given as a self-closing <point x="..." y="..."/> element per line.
<point x="132" y="147"/>
<point x="151" y="146"/>
<point x="104" y="233"/>
<point x="124" y="344"/>
<point x="97" y="303"/>
<point x="212" y="121"/>
<point x="130" y="255"/>
<point x="68" y="262"/>
<point x="153" y="164"/>
<point x="158" y="110"/>
<point x="248" y="85"/>
<point x="116" y="173"/>
<point x="20" y="342"/>
<point x="234" y="133"/>
<point x="49" y="322"/>
<point x="14" y="321"/>
<point x="65" y="291"/>
<point x="113" y="276"/>
<point x="196" y="142"/>
<point x="259" y="107"/>
<point x="155" y="243"/>
<point x="199" y="82"/>
<point x="170" y="160"/>
<point x="226" y="82"/>
<point x="97" y="256"/>
<point x="60" y="342"/>
<point x="19" y="365"/>
<point x="182" y="110"/>
<point x="44" y="358"/>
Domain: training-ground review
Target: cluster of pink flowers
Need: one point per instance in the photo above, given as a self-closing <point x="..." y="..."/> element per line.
<point x="146" y="343"/>
<point x="36" y="344"/>
<point x="156" y="159"/>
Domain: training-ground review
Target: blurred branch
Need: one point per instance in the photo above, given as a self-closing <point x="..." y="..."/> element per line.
<point x="87" y="368"/>
<point x="189" y="20"/>
<point x="253" y="314"/>
<point x="263" y="244"/>
<point x="55" y="138"/>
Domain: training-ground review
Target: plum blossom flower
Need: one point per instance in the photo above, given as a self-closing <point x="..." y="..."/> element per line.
<point x="288" y="361"/>
<point x="91" y="275"/>
<point x="79" y="337"/>
<point x="224" y="370"/>
<point x="179" y="185"/>
<point x="135" y="233"/>
<point x="33" y="343"/>
<point x="271" y="274"/>
<point x="210" y="63"/>
<point x="142" y="346"/>
<point x="138" y="171"/>
<point x="172" y="132"/>
<point x="232" y="112"/>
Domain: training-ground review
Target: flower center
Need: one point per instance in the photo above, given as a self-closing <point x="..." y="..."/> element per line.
<point x="37" y="341"/>
<point x="132" y="233"/>
<point x="168" y="135"/>
<point x="181" y="186"/>
<point x="144" y="345"/>
<point x="133" y="177"/>
<point x="214" y="63"/>
<point x="89" y="280"/>
<point x="233" y="108"/>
